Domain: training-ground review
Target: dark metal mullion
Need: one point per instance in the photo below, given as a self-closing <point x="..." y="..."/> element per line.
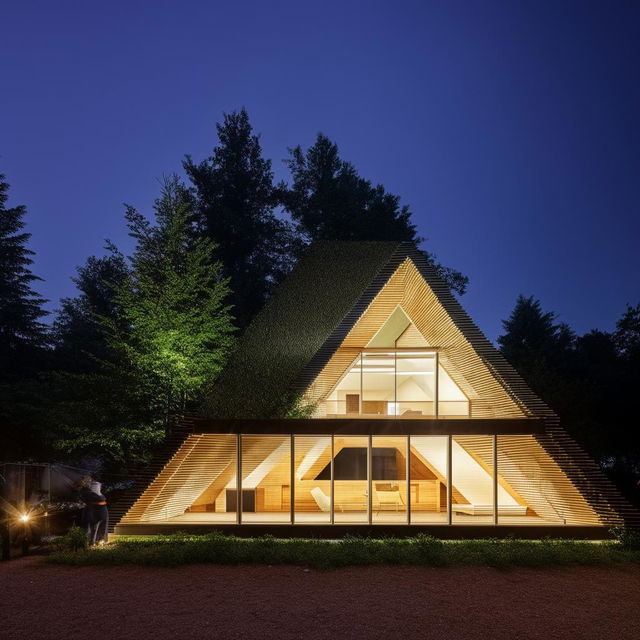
<point x="292" y="485"/>
<point x="449" y="480"/>
<point x="408" y="478"/>
<point x="239" y="479"/>
<point x="437" y="403"/>
<point x="332" y="481"/>
<point x="495" y="479"/>
<point x="369" y="474"/>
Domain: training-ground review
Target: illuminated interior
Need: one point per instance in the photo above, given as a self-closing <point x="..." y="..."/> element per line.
<point x="359" y="480"/>
<point x="397" y="383"/>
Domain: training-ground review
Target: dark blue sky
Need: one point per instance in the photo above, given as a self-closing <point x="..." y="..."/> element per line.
<point x="510" y="128"/>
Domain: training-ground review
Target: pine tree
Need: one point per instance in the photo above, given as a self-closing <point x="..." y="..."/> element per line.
<point x="235" y="202"/>
<point x="329" y="200"/>
<point x="22" y="334"/>
<point x="532" y="338"/>
<point x="78" y="333"/>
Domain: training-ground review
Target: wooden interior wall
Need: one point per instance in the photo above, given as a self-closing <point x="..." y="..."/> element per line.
<point x="407" y="288"/>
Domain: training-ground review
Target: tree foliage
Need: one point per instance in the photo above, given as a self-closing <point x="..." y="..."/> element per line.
<point x="78" y="333"/>
<point x="162" y="321"/>
<point x="589" y="380"/>
<point x="235" y="202"/>
<point x="22" y="334"/>
<point x="174" y="329"/>
<point x="329" y="200"/>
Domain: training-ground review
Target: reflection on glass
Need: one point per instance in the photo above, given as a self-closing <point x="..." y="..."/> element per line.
<point x="389" y="479"/>
<point x="428" y="485"/>
<point x="266" y="479"/>
<point x="351" y="479"/>
<point x="312" y="493"/>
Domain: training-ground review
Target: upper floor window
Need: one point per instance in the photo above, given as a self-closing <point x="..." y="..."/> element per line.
<point x="409" y="383"/>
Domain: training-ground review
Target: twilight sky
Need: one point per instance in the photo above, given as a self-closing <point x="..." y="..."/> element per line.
<point x="510" y="128"/>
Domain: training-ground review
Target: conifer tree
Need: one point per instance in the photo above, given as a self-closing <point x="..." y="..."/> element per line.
<point x="22" y="334"/>
<point x="329" y="200"/>
<point x="77" y="331"/>
<point x="235" y="202"/>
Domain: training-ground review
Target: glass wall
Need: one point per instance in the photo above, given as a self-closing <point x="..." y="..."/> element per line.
<point x="416" y="384"/>
<point x="472" y="479"/>
<point x="428" y="485"/>
<point x="389" y="479"/>
<point x="397" y="383"/>
<point x="382" y="479"/>
<point x="378" y="384"/>
<point x="266" y="479"/>
<point x="532" y="489"/>
<point x="312" y="493"/>
<point x="351" y="479"/>
<point x="211" y="473"/>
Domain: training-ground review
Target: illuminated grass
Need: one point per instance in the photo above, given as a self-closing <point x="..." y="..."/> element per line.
<point x="181" y="549"/>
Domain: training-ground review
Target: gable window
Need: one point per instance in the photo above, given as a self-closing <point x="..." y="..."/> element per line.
<point x="407" y="383"/>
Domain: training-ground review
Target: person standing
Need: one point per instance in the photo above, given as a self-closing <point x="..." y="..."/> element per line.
<point x="95" y="514"/>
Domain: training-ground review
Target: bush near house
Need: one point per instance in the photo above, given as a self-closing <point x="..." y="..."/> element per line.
<point x="422" y="550"/>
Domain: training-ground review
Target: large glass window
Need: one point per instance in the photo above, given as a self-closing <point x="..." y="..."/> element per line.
<point x="416" y="384"/>
<point x="266" y="479"/>
<point x="351" y="479"/>
<point x="389" y="479"/>
<point x="383" y="479"/>
<point x="428" y="484"/>
<point x="472" y="479"/>
<point x="402" y="383"/>
<point x="531" y="487"/>
<point x="203" y="483"/>
<point x="378" y="384"/>
<point x="312" y="494"/>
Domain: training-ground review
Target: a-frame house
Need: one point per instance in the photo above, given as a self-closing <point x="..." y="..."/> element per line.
<point x="363" y="398"/>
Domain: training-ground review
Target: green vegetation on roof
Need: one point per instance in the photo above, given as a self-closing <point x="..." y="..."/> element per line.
<point x="292" y="327"/>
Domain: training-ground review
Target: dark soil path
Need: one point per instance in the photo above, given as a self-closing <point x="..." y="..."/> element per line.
<point x="41" y="601"/>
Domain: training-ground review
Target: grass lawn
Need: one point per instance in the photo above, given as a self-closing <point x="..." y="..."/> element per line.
<point x="422" y="550"/>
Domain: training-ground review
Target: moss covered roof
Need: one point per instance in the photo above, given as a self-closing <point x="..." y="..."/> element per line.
<point x="331" y="282"/>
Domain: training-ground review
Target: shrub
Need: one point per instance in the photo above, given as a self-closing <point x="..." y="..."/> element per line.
<point x="628" y="538"/>
<point x="74" y="540"/>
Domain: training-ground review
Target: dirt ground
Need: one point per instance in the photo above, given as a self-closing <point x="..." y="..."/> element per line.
<point x="42" y="601"/>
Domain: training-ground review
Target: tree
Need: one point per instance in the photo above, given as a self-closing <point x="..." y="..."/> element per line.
<point x="23" y="338"/>
<point x="175" y="330"/>
<point x="22" y="334"/>
<point x="235" y="202"/>
<point x="329" y="200"/>
<point x="532" y="338"/>
<point x="589" y="380"/>
<point x="78" y="334"/>
<point x="167" y="331"/>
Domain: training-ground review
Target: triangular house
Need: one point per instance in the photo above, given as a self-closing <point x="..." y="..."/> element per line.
<point x="362" y="396"/>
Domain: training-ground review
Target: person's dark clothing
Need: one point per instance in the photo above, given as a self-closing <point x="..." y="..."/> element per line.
<point x="95" y="515"/>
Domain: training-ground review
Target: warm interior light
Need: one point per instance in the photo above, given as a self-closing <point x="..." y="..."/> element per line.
<point x="24" y="517"/>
